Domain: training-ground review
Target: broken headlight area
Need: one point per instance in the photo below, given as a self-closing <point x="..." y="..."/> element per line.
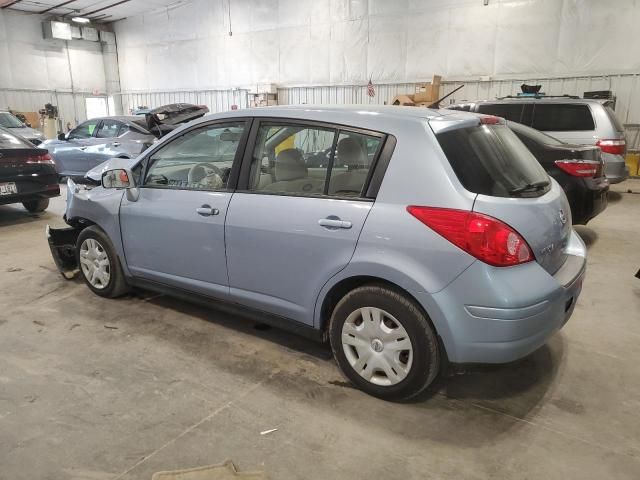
<point x="62" y="242"/>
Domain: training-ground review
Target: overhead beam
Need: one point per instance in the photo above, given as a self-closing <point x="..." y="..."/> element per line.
<point x="85" y="14"/>
<point x="57" y="6"/>
<point x="10" y="3"/>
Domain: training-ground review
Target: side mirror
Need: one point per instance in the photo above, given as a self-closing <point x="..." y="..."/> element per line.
<point x="120" y="178"/>
<point x="28" y="125"/>
<point x="62" y="136"/>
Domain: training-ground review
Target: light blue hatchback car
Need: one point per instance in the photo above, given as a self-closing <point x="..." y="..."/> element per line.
<point x="425" y="237"/>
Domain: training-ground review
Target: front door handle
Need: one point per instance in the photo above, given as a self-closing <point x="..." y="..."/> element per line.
<point x="115" y="144"/>
<point x="334" y="222"/>
<point x="83" y="148"/>
<point x="207" y="211"/>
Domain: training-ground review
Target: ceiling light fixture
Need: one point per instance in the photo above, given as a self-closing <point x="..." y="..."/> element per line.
<point x="80" y="20"/>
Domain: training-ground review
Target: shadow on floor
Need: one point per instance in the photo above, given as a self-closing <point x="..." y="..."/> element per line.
<point x="588" y="235"/>
<point x="614" y="197"/>
<point x="16" y="215"/>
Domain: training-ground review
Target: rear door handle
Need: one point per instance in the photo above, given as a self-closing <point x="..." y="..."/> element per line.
<point x="207" y="211"/>
<point x="83" y="148"/>
<point x="334" y="223"/>
<point x="115" y="144"/>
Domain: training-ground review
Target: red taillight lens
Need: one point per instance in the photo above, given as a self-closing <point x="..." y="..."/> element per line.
<point x="484" y="237"/>
<point x="615" y="147"/>
<point x="489" y="120"/>
<point x="580" y="168"/>
<point x="42" y="159"/>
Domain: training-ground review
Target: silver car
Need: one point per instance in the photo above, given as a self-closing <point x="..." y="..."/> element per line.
<point x="570" y="119"/>
<point x="10" y="121"/>
<point x="97" y="140"/>
<point x="428" y="237"/>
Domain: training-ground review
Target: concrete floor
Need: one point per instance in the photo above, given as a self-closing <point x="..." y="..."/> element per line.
<point x="118" y="389"/>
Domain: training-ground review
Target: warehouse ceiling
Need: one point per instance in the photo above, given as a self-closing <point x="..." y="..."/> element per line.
<point x="99" y="11"/>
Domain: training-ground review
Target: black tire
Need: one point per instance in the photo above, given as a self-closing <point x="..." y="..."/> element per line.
<point x="116" y="285"/>
<point x="425" y="363"/>
<point x="36" y="206"/>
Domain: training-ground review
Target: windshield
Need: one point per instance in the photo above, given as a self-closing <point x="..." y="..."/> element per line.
<point x="9" y="121"/>
<point x="491" y="160"/>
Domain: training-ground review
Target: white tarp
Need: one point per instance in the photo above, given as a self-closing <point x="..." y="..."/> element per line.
<point x="293" y="42"/>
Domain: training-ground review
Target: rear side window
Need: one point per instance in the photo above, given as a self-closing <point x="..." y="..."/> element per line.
<point x="562" y="117"/>
<point x="508" y="111"/>
<point x="614" y="120"/>
<point x="491" y="160"/>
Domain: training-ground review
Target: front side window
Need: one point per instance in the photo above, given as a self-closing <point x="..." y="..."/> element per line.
<point x="198" y="160"/>
<point x="84" y="130"/>
<point x="302" y="160"/>
<point x="562" y="117"/>
<point x="108" y="129"/>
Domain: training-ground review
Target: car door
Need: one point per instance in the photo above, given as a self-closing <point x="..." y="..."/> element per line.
<point x="173" y="233"/>
<point x="104" y="145"/>
<point x="292" y="225"/>
<point x="71" y="154"/>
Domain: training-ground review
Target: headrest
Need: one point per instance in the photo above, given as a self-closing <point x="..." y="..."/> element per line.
<point x="350" y="152"/>
<point x="290" y="165"/>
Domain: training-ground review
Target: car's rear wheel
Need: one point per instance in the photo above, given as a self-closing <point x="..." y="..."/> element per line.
<point x="384" y="343"/>
<point x="99" y="264"/>
<point x="36" y="206"/>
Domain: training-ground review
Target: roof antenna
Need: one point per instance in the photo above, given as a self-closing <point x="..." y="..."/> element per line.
<point x="436" y="104"/>
<point x="229" y="5"/>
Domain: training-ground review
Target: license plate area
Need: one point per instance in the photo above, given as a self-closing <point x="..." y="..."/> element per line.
<point x="8" y="188"/>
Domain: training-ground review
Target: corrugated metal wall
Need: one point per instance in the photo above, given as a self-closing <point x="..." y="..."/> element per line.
<point x="216" y="100"/>
<point x="71" y="107"/>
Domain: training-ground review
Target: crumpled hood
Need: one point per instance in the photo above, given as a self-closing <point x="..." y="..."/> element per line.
<point x="95" y="173"/>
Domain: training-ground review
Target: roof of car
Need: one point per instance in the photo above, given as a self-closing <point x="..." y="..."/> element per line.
<point x="548" y="99"/>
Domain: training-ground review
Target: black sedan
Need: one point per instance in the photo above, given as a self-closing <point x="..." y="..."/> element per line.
<point x="577" y="168"/>
<point x="27" y="173"/>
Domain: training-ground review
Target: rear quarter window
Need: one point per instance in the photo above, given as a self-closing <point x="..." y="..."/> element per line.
<point x="562" y="117"/>
<point x="491" y="160"/>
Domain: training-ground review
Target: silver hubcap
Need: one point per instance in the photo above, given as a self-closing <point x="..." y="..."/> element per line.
<point x="377" y="346"/>
<point x="95" y="263"/>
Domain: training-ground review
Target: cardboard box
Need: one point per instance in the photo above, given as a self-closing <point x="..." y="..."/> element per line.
<point x="403" y="100"/>
<point x="33" y="118"/>
<point x="428" y="92"/>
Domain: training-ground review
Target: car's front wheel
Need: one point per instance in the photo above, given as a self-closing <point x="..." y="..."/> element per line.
<point x="36" y="206"/>
<point x="384" y="343"/>
<point x="99" y="263"/>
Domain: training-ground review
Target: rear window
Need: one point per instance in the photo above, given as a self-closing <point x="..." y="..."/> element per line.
<point x="533" y="134"/>
<point x="491" y="160"/>
<point x="562" y="117"/>
<point x="9" y="140"/>
<point x="508" y="111"/>
<point x="614" y="120"/>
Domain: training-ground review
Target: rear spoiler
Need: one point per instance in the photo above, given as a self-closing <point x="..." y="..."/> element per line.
<point x="162" y="120"/>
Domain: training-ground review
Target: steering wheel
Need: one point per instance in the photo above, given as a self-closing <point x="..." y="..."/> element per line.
<point x="200" y="171"/>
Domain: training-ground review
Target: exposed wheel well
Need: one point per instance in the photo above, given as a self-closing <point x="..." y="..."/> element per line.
<point x="343" y="287"/>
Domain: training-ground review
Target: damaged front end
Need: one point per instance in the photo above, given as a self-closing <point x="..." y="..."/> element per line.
<point x="62" y="242"/>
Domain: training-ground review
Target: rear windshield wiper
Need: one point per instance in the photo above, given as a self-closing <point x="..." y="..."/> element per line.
<point x="535" y="186"/>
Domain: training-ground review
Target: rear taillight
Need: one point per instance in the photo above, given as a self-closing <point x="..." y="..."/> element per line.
<point x="40" y="159"/>
<point x="484" y="237"/>
<point x="580" y="168"/>
<point x="615" y="147"/>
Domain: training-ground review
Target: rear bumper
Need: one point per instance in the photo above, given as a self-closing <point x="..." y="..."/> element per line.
<point x="587" y="199"/>
<point x="616" y="168"/>
<point x="498" y="315"/>
<point x="31" y="188"/>
<point x="62" y="243"/>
